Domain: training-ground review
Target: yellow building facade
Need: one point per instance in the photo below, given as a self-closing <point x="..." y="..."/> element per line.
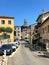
<point x="8" y="22"/>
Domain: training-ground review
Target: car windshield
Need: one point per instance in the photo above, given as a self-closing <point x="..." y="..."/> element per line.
<point x="11" y="44"/>
<point x="6" y="46"/>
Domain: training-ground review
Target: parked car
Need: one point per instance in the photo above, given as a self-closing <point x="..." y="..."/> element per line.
<point x="17" y="43"/>
<point x="13" y="47"/>
<point x="6" y="47"/>
<point x="1" y="52"/>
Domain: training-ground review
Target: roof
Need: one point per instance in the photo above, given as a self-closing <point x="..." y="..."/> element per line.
<point x="17" y="26"/>
<point x="45" y="21"/>
<point x="41" y="15"/>
<point x="32" y="25"/>
<point x="6" y="17"/>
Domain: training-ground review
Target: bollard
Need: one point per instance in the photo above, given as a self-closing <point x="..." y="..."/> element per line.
<point x="5" y="52"/>
<point x="4" y="58"/>
<point x="1" y="60"/>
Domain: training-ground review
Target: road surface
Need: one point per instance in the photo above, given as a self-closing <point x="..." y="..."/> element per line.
<point x="26" y="57"/>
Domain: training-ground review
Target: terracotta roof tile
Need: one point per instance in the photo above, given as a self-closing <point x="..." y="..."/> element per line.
<point x="6" y="17"/>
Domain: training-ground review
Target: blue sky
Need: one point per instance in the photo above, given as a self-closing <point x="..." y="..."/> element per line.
<point x="23" y="9"/>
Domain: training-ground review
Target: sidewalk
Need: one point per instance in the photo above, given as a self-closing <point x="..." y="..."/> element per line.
<point x="38" y="53"/>
<point x="1" y="60"/>
<point x="46" y="53"/>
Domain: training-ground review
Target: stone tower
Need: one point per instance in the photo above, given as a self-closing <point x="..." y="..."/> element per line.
<point x="25" y="22"/>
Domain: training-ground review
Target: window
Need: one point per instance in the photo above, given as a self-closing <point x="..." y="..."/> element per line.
<point x="3" y="21"/>
<point x="14" y="33"/>
<point x="48" y="45"/>
<point x="18" y="34"/>
<point x="48" y="28"/>
<point x="18" y="28"/>
<point x="18" y="31"/>
<point x="43" y="30"/>
<point x="15" y="28"/>
<point x="43" y="40"/>
<point x="9" y="21"/>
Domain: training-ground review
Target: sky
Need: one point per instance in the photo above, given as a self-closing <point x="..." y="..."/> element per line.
<point x="23" y="9"/>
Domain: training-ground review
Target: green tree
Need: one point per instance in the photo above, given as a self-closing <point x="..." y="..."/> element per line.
<point x="8" y="30"/>
<point x="2" y="29"/>
<point x="5" y="31"/>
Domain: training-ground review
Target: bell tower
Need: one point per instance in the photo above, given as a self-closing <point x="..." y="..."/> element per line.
<point x="25" y="22"/>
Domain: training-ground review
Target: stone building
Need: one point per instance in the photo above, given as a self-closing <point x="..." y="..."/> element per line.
<point x="32" y="27"/>
<point x="43" y="27"/>
<point x="24" y="29"/>
<point x="17" y="32"/>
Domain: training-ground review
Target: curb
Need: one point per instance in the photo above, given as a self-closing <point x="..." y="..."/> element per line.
<point x="46" y="54"/>
<point x="15" y="51"/>
<point x="13" y="54"/>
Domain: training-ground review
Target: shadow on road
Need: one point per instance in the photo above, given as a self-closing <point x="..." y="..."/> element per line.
<point x="43" y="56"/>
<point x="33" y="50"/>
<point x="30" y="47"/>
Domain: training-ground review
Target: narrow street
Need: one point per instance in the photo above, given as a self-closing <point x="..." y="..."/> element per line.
<point x="26" y="57"/>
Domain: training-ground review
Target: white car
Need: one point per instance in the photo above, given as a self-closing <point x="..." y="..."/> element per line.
<point x="16" y="44"/>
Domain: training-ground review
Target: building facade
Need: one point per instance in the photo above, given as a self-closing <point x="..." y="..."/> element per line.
<point x="43" y="23"/>
<point x="24" y="32"/>
<point x="45" y="33"/>
<point x="17" y="30"/>
<point x="32" y="27"/>
<point x="25" y="29"/>
<point x="7" y="22"/>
